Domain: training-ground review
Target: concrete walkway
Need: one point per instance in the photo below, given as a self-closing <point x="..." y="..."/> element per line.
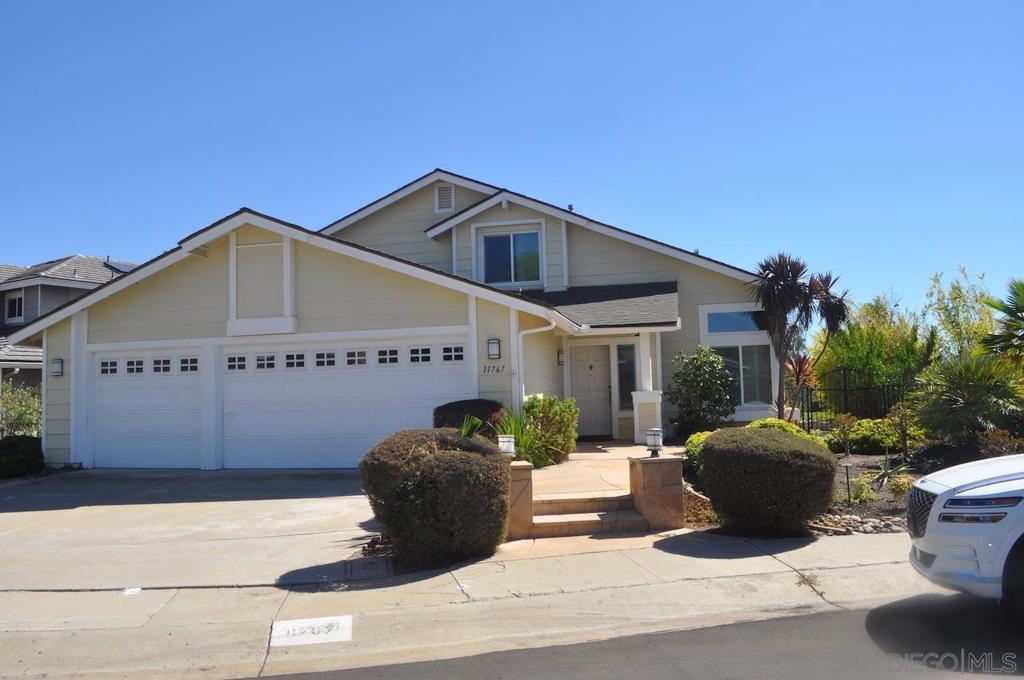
<point x="596" y="467"/>
<point x="531" y="594"/>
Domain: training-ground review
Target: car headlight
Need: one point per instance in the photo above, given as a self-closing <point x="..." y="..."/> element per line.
<point x="972" y="518"/>
<point x="1007" y="502"/>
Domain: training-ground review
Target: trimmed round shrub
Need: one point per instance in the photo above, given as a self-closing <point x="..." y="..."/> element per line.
<point x="787" y="427"/>
<point x="454" y="413"/>
<point x="441" y="497"/>
<point x="20" y="455"/>
<point x="766" y="482"/>
<point x="694" y="446"/>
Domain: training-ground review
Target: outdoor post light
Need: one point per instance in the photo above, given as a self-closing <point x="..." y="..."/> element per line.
<point x="654" y="440"/>
<point x="507" y="444"/>
<point x="57" y="367"/>
<point x="493" y="348"/>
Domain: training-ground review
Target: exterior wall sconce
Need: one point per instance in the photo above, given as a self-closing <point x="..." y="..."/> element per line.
<point x="561" y="357"/>
<point x="507" y="444"/>
<point x="654" y="441"/>
<point x="57" y="367"/>
<point x="494" y="348"/>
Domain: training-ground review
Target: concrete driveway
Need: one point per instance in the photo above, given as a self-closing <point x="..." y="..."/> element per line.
<point x="162" y="529"/>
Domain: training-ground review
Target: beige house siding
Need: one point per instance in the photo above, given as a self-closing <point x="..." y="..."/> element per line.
<point x="399" y="228"/>
<point x="495" y="376"/>
<point x="259" y="272"/>
<point x="57" y="443"/>
<point x="541" y="373"/>
<point x="338" y="293"/>
<point x="188" y="299"/>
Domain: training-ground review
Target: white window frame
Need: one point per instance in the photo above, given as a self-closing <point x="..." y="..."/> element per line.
<point x="245" y="363"/>
<point x="398" y="356"/>
<point x="131" y="360"/>
<point x="324" y="358"/>
<point x="431" y="356"/>
<point x="437" y="196"/>
<point x="753" y="410"/>
<point x="169" y="366"/>
<point x="479" y="230"/>
<point x="298" y="355"/>
<point x="257" y="356"/>
<point x="20" y="297"/>
<point x="186" y="368"/>
<point x="356" y="351"/>
<point x="456" y="352"/>
<point x="112" y="362"/>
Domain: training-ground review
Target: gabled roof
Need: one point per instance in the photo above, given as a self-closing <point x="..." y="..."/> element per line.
<point x="635" y="304"/>
<point x="587" y="223"/>
<point x="223" y="226"/>
<point x="19" y="355"/>
<point x="435" y="175"/>
<point x="79" y="269"/>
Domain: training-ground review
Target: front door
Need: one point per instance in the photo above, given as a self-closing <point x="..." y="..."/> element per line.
<point x="592" y="389"/>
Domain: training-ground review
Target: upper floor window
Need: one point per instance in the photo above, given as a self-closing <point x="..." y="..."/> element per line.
<point x="444" y="198"/>
<point x="14" y="308"/>
<point x="735" y="322"/>
<point x="512" y="257"/>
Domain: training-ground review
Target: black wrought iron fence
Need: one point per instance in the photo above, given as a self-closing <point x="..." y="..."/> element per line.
<point x="843" y="391"/>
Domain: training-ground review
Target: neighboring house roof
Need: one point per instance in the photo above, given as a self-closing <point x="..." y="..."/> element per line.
<point x="9" y="270"/>
<point x="591" y="224"/>
<point x="242" y="216"/>
<point x="633" y="304"/>
<point x="18" y="354"/>
<point x="78" y="268"/>
<point x="435" y="175"/>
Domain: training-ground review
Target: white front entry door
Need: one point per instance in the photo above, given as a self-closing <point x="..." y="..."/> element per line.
<point x="592" y="389"/>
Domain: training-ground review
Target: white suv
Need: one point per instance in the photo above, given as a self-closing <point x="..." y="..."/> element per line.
<point x="967" y="528"/>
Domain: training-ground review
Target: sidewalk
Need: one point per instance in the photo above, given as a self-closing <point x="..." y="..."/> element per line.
<point x="531" y="594"/>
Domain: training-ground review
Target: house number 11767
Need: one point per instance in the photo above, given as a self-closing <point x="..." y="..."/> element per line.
<point x="494" y="369"/>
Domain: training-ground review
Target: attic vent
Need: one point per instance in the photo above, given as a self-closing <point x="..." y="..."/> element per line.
<point x="444" y="198"/>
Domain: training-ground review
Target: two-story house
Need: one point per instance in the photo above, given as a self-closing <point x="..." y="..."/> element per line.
<point x="26" y="293"/>
<point x="256" y="343"/>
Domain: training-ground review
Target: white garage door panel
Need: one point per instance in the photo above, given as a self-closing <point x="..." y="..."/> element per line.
<point x="330" y="416"/>
<point x="146" y="419"/>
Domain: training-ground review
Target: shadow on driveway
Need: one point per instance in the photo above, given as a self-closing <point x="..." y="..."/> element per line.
<point x="139" y="487"/>
<point x="717" y="546"/>
<point x="960" y="633"/>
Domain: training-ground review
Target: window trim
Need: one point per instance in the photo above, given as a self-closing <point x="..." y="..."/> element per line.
<point x="168" y="366"/>
<point x="299" y="356"/>
<point x="321" y="355"/>
<point x="112" y="362"/>
<point x="741" y="339"/>
<point x="437" y="195"/>
<point x="245" y="363"/>
<point x="185" y="364"/>
<point x="417" y="359"/>
<point x="140" y="368"/>
<point x="257" y="356"/>
<point x="481" y="229"/>
<point x="20" y="297"/>
<point x="397" y="356"/>
<point x="355" y="359"/>
<point x="455" y="353"/>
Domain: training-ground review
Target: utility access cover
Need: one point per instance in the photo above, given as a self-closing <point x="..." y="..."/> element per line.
<point x="311" y="631"/>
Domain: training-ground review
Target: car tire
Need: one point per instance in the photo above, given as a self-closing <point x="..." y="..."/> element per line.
<point x="1013" y="579"/>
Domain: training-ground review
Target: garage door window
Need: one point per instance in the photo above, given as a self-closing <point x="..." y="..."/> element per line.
<point x="324" y="359"/>
<point x="297" y="360"/>
<point x="189" y="364"/>
<point x="452" y="353"/>
<point x="134" y="366"/>
<point x="108" y="367"/>
<point x="236" y="363"/>
<point x="355" y="357"/>
<point x="265" y="362"/>
<point x="419" y="355"/>
<point x="161" y="365"/>
<point x="387" y="356"/>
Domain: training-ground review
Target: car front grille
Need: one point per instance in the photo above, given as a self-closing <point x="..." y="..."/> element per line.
<point x="919" y="506"/>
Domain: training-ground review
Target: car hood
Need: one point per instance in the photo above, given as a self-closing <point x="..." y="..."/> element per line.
<point x="979" y="473"/>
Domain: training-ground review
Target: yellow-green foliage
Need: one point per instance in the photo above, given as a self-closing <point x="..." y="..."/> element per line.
<point x="785" y="426"/>
<point x="900" y="485"/>
<point x="694" y="446"/>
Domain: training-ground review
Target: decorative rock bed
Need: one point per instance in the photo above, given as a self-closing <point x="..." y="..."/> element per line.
<point x="848" y="524"/>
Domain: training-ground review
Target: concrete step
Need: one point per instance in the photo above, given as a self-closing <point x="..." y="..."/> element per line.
<point x="589" y="523"/>
<point x="576" y="503"/>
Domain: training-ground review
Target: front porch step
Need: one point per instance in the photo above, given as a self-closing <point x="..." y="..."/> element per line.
<point x="589" y="523"/>
<point x="576" y="503"/>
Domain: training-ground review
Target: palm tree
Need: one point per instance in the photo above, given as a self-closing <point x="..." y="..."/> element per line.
<point x="791" y="300"/>
<point x="1008" y="340"/>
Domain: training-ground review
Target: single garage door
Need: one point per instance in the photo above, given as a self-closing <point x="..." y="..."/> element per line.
<point x="146" y="410"/>
<point x="325" y="406"/>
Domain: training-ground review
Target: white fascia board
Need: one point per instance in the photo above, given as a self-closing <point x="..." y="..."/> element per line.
<point x="286" y="230"/>
<point x="47" y="281"/>
<point x="634" y="239"/>
<point x="425" y="181"/>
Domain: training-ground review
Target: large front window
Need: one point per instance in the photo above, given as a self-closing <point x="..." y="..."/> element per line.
<point x="512" y="257"/>
<point x="751" y="366"/>
<point x="736" y="332"/>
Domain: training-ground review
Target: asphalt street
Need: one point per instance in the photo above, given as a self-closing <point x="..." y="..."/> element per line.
<point x="929" y="636"/>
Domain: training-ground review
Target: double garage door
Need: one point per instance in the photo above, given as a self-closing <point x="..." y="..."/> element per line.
<point x="282" y="406"/>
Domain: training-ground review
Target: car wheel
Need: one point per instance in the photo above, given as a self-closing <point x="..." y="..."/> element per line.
<point x="1013" y="578"/>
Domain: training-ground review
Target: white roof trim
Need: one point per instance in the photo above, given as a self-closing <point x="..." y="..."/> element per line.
<point x="597" y="227"/>
<point x="245" y="216"/>
<point x="412" y="187"/>
<point x="48" y="281"/>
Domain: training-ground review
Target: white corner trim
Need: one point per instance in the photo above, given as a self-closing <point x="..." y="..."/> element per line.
<point x="232" y="276"/>
<point x="413" y="187"/>
<point x="472" y="347"/>
<point x="288" y="277"/>
<point x="80" y="384"/>
<point x="513" y="358"/>
<point x="212" y="407"/>
<point x="265" y="325"/>
<point x="566" y="366"/>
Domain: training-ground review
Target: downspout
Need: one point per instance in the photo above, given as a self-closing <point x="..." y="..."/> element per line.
<point x="521" y="379"/>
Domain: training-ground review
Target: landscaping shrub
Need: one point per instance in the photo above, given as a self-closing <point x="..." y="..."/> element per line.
<point x="694" y="446"/>
<point x="703" y="392"/>
<point x="21" y="410"/>
<point x="20" y="455"/>
<point x="454" y="413"/>
<point x="785" y="426"/>
<point x="900" y="485"/>
<point x="869" y="435"/>
<point x="441" y="497"/>
<point x="554" y="421"/>
<point x="766" y="482"/>
<point x="996" y="443"/>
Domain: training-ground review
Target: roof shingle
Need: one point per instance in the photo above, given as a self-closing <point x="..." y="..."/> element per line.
<point x="634" y="304"/>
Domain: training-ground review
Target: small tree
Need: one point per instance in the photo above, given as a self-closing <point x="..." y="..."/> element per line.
<point x="703" y="391"/>
<point x="20" y="410"/>
<point x="842" y="428"/>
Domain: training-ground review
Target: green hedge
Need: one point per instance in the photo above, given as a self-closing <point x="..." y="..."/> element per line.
<point x="694" y="446"/>
<point x="20" y="455"/>
<point x="766" y="482"/>
<point x="873" y="436"/>
<point x="787" y="427"/>
<point x="440" y="497"/>
<point x="454" y="413"/>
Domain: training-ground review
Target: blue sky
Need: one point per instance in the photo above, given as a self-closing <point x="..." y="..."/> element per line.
<point x="881" y="140"/>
